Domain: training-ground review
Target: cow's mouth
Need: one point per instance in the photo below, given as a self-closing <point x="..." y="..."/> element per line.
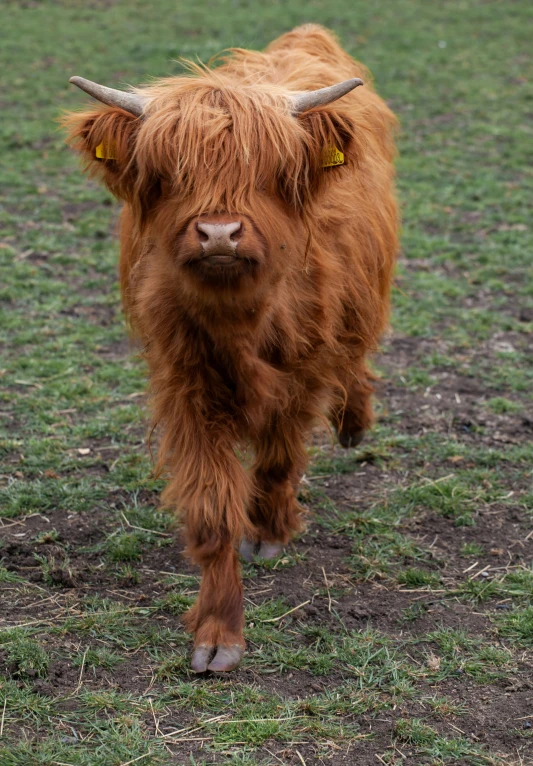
<point x="221" y="260"/>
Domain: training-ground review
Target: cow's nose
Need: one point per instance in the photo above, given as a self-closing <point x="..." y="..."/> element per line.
<point x="219" y="238"/>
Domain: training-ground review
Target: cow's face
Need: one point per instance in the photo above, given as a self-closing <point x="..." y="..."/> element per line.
<point x="220" y="178"/>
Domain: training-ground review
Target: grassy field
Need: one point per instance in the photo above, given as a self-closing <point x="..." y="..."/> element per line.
<point x="399" y="628"/>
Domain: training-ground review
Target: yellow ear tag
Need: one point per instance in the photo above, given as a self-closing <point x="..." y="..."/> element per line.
<point x="105" y="152"/>
<point x="331" y="157"/>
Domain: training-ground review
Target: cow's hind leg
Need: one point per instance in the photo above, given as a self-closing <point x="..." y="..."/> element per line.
<point x="273" y="510"/>
<point x="353" y="415"/>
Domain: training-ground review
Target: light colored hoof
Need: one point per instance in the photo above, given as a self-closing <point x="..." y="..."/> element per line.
<point x="264" y="550"/>
<point x="201" y="657"/>
<point x="227" y="658"/>
<point x="219" y="659"/>
<point x="248" y="549"/>
<point x="270" y="550"/>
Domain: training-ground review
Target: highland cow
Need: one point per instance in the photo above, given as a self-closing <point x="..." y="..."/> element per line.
<point x="258" y="239"/>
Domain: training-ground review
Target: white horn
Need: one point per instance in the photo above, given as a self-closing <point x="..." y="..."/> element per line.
<point x="302" y="102"/>
<point x="127" y="101"/>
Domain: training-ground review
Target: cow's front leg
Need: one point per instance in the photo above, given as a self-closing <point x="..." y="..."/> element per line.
<point x="217" y="617"/>
<point x="210" y="487"/>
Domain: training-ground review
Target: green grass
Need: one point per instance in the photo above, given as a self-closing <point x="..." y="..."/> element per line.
<point x="417" y="577"/>
<point x="124" y="547"/>
<point x="472" y="549"/>
<point x="432" y="584"/>
<point x="98" y="658"/>
<point x="501" y="406"/>
<point x="460" y="652"/>
<point x="518" y="624"/>
<point x="440" y="749"/>
<point x="26" y="656"/>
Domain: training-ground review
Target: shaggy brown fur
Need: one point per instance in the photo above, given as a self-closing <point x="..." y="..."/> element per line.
<point x="254" y="354"/>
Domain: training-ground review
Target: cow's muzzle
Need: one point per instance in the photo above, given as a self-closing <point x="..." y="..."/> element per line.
<point x="221" y="247"/>
<point x="219" y="241"/>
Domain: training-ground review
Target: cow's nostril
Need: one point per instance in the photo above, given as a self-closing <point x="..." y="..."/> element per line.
<point x="237" y="234"/>
<point x="202" y="236"/>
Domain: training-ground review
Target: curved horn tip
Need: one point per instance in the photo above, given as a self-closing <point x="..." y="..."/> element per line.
<point x="81" y="82"/>
<point x="303" y="101"/>
<point x="130" y="102"/>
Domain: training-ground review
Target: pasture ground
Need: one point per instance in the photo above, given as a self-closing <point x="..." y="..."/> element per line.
<point x="399" y="628"/>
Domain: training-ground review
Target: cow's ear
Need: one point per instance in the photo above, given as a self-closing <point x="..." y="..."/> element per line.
<point x="105" y="137"/>
<point x="332" y="144"/>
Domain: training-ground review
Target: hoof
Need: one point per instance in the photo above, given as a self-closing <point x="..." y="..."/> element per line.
<point x="218" y="659"/>
<point x="350" y="439"/>
<point x="269" y="550"/>
<point x="264" y="550"/>
<point x="248" y="550"/>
